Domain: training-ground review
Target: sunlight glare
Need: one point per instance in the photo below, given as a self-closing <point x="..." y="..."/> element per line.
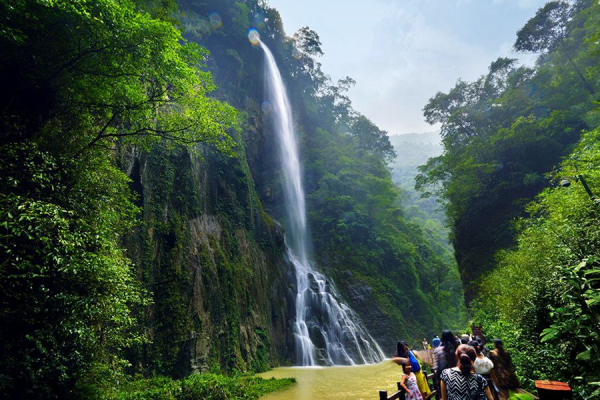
<point x="254" y="36"/>
<point x="266" y="107"/>
<point x="215" y="19"/>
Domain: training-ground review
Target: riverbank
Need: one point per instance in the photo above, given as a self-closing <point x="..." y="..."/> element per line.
<point x="205" y="386"/>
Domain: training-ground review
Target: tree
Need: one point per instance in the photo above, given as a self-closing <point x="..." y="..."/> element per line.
<point x="371" y="139"/>
<point x="545" y="288"/>
<point x="66" y="286"/>
<point x="81" y="79"/>
<point x="308" y="42"/>
<point x="116" y="80"/>
<point x="500" y="137"/>
<point x="548" y="31"/>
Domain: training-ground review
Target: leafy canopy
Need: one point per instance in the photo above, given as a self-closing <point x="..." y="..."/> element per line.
<point x="103" y="70"/>
<point x="81" y="78"/>
<point x="546" y="287"/>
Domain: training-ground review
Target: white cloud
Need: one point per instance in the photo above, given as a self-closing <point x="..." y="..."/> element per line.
<point x="401" y="52"/>
<point x="413" y="60"/>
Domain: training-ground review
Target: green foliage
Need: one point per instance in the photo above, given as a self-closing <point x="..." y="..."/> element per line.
<point x="79" y="79"/>
<point x="505" y="131"/>
<point x="219" y="387"/>
<point x="544" y="293"/>
<point x="546" y="29"/>
<point x="578" y="317"/>
<point x="205" y="386"/>
<point x="160" y="387"/>
<point x="533" y="283"/>
<point x="554" y="28"/>
<point x="126" y="76"/>
<point x="441" y="279"/>
<point x="308" y="42"/>
<point x="371" y="138"/>
<point x="358" y="226"/>
<point x="66" y="284"/>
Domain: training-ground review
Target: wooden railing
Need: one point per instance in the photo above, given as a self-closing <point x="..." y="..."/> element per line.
<point x="401" y="394"/>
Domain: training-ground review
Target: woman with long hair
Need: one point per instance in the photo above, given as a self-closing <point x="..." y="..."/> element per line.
<point x="483" y="366"/>
<point x="444" y="354"/>
<point x="461" y="382"/>
<point x="503" y="374"/>
<point x="405" y="356"/>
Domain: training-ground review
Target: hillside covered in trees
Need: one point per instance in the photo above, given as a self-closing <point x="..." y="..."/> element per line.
<point x="412" y="151"/>
<point x="527" y="246"/>
<point x="141" y="204"/>
<point x="142" y="210"/>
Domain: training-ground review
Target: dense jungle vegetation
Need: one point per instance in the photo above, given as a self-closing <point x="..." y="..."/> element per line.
<point x="380" y="261"/>
<point x="120" y="161"/>
<point x="79" y="78"/>
<point x="526" y="247"/>
<point x="413" y="150"/>
<point x="139" y="200"/>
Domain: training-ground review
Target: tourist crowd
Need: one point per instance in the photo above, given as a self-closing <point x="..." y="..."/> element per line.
<point x="464" y="369"/>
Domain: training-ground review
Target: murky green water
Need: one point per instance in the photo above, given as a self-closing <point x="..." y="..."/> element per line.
<point x="322" y="383"/>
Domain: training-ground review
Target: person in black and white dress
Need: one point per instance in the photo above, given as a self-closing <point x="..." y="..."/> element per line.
<point x="461" y="382"/>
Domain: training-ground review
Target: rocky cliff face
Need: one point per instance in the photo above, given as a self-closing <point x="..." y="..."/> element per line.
<point x="213" y="261"/>
<point x="360" y="297"/>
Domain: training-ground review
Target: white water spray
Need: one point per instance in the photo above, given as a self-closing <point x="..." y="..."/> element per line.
<point x="326" y="330"/>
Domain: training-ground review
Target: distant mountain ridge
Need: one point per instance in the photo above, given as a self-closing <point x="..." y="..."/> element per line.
<point x="426" y="137"/>
<point x="413" y="150"/>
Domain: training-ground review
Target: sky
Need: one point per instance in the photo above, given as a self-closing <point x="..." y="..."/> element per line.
<point x="402" y="52"/>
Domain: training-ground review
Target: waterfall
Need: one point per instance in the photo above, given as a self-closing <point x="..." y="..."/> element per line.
<point x="326" y="330"/>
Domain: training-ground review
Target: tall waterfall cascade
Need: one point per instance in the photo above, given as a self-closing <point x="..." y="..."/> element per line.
<point x="326" y="331"/>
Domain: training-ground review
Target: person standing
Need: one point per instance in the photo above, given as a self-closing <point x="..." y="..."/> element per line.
<point x="503" y="373"/>
<point x="461" y="382"/>
<point x="409" y="383"/>
<point x="484" y="350"/>
<point x="445" y="353"/>
<point x="404" y="355"/>
<point x="483" y="366"/>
